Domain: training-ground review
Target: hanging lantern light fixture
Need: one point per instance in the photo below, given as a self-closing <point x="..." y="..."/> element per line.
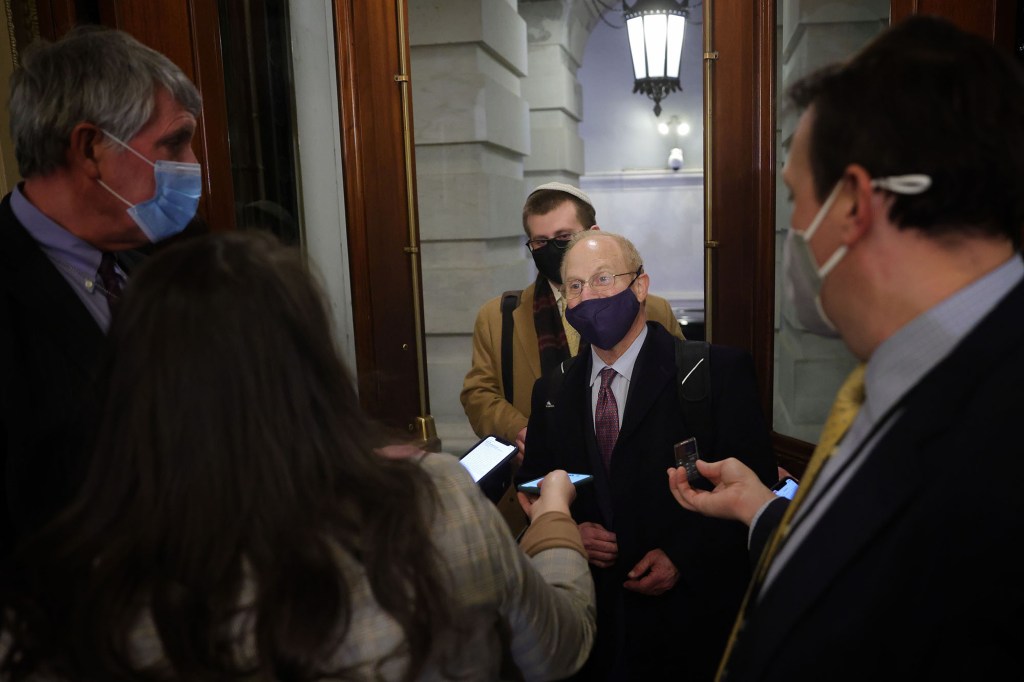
<point x="655" y="29"/>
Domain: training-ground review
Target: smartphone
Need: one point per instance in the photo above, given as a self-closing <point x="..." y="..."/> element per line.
<point x="488" y="462"/>
<point x="687" y="454"/>
<point x="533" y="487"/>
<point x="786" y="487"/>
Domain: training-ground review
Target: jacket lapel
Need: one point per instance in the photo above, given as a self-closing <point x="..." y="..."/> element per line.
<point x="653" y="369"/>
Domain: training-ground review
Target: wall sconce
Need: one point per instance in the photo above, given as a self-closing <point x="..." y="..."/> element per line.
<point x="655" y="29"/>
<point x="680" y="127"/>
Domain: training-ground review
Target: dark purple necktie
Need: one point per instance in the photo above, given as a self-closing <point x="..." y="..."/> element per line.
<point x="109" y="279"/>
<point x="606" y="417"/>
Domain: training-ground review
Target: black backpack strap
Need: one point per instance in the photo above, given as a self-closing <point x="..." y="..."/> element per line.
<point x="509" y="302"/>
<point x="555" y="376"/>
<point x="693" y="380"/>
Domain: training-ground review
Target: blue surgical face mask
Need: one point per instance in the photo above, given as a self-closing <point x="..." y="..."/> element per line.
<point x="178" y="188"/>
<point x="603" y="322"/>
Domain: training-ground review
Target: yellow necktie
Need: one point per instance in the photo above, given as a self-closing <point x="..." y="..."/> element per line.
<point x="844" y="410"/>
<point x="571" y="335"/>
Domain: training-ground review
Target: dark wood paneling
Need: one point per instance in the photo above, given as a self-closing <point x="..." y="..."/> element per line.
<point x="212" y="136"/>
<point x="376" y="210"/>
<point x="792" y="454"/>
<point x="763" y="270"/>
<point x="56" y="17"/>
<point x="743" y="195"/>
<point x="734" y="153"/>
<point x="188" y="32"/>
<point x="993" y="20"/>
<point x="742" y="153"/>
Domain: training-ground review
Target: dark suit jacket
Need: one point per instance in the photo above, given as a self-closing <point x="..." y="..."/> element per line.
<point x="683" y="632"/>
<point x="49" y="349"/>
<point x="913" y="572"/>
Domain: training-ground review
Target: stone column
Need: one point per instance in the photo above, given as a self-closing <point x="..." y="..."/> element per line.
<point x="472" y="134"/>
<point x="557" y="32"/>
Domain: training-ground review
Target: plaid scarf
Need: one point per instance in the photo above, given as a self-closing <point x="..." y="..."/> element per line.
<point x="548" y="323"/>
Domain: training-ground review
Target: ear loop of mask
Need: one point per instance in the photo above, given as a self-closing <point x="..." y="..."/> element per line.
<point x="133" y="151"/>
<point x="806" y="235"/>
<point x="911" y="183"/>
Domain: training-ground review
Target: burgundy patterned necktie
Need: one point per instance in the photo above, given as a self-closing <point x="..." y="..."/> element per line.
<point x="606" y="417"/>
<point x="109" y="278"/>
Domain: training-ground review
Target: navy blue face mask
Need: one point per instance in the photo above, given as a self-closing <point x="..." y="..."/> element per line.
<point x="603" y="322"/>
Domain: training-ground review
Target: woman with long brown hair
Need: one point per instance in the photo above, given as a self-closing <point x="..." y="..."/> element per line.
<point x="238" y="519"/>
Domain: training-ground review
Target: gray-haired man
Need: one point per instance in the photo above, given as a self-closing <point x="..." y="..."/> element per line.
<point x="102" y="128"/>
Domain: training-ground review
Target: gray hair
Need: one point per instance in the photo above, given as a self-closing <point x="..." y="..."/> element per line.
<point x="629" y="253"/>
<point x="93" y="74"/>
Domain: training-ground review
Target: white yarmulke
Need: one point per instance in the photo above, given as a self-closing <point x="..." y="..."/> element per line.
<point x="562" y="187"/>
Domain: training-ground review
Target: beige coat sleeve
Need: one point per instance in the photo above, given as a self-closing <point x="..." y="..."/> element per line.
<point x="483" y="396"/>
<point x="545" y="602"/>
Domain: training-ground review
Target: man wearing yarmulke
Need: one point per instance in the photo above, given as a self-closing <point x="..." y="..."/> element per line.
<point x="496" y="397"/>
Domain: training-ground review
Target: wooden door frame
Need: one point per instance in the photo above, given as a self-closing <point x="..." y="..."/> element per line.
<point x="371" y="40"/>
<point x="740" y="170"/>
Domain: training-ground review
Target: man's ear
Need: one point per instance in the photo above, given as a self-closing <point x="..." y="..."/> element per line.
<point x="861" y="214"/>
<point x="640" y="287"/>
<point x="594" y="227"/>
<point x="84" y="149"/>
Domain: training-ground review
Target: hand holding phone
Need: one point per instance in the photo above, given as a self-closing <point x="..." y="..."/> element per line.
<point x="488" y="462"/>
<point x="687" y="454"/>
<point x="533" y="487"/>
<point x="786" y="487"/>
<point x="555" y="494"/>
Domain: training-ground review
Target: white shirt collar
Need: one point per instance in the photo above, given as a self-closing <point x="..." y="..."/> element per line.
<point x="624" y="365"/>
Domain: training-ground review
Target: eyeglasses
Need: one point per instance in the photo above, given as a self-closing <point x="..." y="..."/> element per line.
<point x="560" y="241"/>
<point x="602" y="281"/>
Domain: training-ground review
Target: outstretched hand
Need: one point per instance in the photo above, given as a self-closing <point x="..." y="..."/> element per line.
<point x="556" y="494"/>
<point x="738" y="493"/>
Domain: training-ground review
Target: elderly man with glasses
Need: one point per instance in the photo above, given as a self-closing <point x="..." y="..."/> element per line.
<point x="668" y="583"/>
<point x="496" y="395"/>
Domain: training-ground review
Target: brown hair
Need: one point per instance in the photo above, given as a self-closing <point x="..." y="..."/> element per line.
<point x="545" y="201"/>
<point x="232" y="459"/>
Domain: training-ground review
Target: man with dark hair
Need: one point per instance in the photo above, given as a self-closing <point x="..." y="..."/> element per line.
<point x="541" y="338"/>
<point x="668" y="581"/>
<point x="102" y="129"/>
<point x="897" y="559"/>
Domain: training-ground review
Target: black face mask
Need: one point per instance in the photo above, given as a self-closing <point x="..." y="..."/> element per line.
<point x="548" y="260"/>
